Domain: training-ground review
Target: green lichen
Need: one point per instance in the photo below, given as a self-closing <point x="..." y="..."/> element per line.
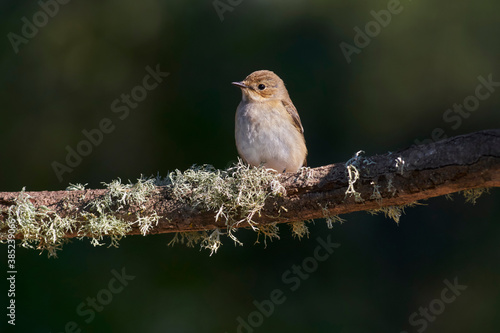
<point x="376" y="193"/>
<point x="353" y="175"/>
<point x="40" y="228"/>
<point x="329" y="218"/>
<point x="473" y="194"/>
<point x="393" y="212"/>
<point x="353" y="166"/>
<point x="207" y="239"/>
<point x="390" y="186"/>
<point x="104" y="225"/>
<point x="190" y="238"/>
<point x="235" y="195"/>
<point x="470" y="195"/>
<point x="44" y="229"/>
<point x="268" y="231"/>
<point x="146" y="223"/>
<point x="212" y="242"/>
<point x="299" y="229"/>
<point x="101" y="218"/>
<point x="76" y="187"/>
<point x="400" y="165"/>
<point x="121" y="195"/>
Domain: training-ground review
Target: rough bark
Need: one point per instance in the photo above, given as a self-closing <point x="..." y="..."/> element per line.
<point x="419" y="172"/>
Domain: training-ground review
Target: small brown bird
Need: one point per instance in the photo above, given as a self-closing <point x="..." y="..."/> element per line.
<point x="268" y="130"/>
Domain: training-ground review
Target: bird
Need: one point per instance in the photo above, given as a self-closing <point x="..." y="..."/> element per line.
<point x="268" y="130"/>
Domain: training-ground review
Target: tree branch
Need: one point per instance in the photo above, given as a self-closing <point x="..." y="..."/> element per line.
<point x="459" y="163"/>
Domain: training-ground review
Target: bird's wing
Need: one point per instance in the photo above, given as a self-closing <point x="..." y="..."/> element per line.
<point x="290" y="108"/>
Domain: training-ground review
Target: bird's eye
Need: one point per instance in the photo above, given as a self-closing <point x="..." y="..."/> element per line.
<point x="261" y="87"/>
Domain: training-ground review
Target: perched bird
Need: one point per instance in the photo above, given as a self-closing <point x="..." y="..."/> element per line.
<point x="268" y="130"/>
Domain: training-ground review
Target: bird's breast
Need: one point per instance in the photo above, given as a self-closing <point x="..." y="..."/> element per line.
<point x="265" y="134"/>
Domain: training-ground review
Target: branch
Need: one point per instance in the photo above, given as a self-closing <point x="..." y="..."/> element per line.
<point x="204" y="198"/>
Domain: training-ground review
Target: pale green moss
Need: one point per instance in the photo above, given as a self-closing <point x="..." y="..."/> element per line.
<point x="390" y="186"/>
<point x="376" y="193"/>
<point x="212" y="242"/>
<point x="473" y="194"/>
<point x="400" y="165"/>
<point x="353" y="166"/>
<point x="43" y="229"/>
<point x="190" y="238"/>
<point x="330" y="219"/>
<point x="353" y="175"/>
<point x="104" y="225"/>
<point x="306" y="172"/>
<point x="235" y="195"/>
<point x="76" y="187"/>
<point x="207" y="239"/>
<point x="299" y="229"/>
<point x="393" y="212"/>
<point x="268" y="231"/>
<point x="146" y="222"/>
<point x="120" y="195"/>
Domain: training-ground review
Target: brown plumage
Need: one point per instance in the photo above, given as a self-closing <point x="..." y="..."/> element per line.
<point x="268" y="127"/>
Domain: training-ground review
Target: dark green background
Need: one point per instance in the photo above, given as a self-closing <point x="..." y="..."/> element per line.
<point x="393" y="93"/>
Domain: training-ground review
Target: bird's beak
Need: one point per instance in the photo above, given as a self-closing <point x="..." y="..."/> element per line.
<point x="239" y="84"/>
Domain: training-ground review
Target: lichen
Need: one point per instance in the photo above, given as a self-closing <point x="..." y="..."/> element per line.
<point x="353" y="175"/>
<point x="101" y="219"/>
<point x="207" y="239"/>
<point x="471" y="195"/>
<point x="212" y="242"/>
<point x="235" y="195"/>
<point x="449" y="196"/>
<point x="146" y="223"/>
<point x="393" y="212"/>
<point x="268" y="231"/>
<point x="96" y="227"/>
<point x="44" y="229"/>
<point x="353" y="166"/>
<point x="120" y="195"/>
<point x="329" y="218"/>
<point x="76" y="187"/>
<point x="299" y="229"/>
<point x="41" y="228"/>
<point x="376" y="193"/>
<point x="400" y="164"/>
<point x="306" y="172"/>
<point x="190" y="238"/>
<point x="390" y="186"/>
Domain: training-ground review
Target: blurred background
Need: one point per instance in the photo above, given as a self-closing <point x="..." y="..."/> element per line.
<point x="391" y="89"/>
